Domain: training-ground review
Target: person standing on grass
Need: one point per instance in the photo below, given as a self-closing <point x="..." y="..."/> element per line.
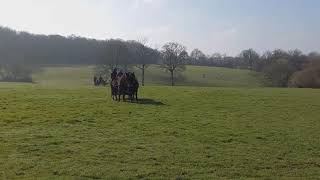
<point x="100" y="80"/>
<point x="95" y="80"/>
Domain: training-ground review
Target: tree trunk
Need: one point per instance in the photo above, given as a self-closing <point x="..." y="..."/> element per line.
<point x="143" y="68"/>
<point x="172" y="80"/>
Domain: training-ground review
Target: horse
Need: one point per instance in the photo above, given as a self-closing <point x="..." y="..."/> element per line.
<point x="122" y="86"/>
<point x="125" y="84"/>
<point x="114" y="88"/>
<point x="134" y="85"/>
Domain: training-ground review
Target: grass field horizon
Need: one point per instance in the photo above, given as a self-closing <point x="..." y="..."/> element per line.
<point x="61" y="127"/>
<point x="154" y="75"/>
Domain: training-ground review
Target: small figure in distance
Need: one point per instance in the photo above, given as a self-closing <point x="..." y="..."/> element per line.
<point x="95" y="80"/>
<point x="100" y="80"/>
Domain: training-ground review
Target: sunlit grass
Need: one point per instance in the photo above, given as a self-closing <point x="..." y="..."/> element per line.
<point x="75" y="76"/>
<point x="47" y="131"/>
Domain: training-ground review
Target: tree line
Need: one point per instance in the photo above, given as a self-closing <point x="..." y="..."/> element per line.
<point x="281" y="68"/>
<point x="21" y="51"/>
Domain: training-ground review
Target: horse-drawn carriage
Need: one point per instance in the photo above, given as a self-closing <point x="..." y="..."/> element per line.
<point x="123" y="84"/>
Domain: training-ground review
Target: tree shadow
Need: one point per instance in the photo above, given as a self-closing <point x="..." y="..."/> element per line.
<point x="149" y="102"/>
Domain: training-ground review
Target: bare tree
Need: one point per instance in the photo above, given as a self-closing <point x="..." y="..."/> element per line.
<point x="197" y="57"/>
<point x="116" y="55"/>
<point x="174" y="56"/>
<point x="297" y="59"/>
<point x="143" y="53"/>
<point x="250" y="57"/>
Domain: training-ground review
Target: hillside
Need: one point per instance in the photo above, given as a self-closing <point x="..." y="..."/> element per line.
<point x="193" y="76"/>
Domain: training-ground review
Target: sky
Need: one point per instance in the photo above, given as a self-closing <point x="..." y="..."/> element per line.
<point x="224" y="26"/>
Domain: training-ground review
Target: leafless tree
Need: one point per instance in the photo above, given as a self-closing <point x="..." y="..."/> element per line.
<point x="197" y="57"/>
<point x="116" y="55"/>
<point x="250" y="57"/>
<point x="174" y="56"/>
<point x="143" y="53"/>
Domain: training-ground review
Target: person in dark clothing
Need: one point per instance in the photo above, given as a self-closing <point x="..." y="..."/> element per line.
<point x="120" y="74"/>
<point x="100" y="81"/>
<point x="114" y="74"/>
<point x="95" y="80"/>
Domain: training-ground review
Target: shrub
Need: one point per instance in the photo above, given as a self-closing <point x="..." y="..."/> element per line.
<point x="309" y="77"/>
<point x="278" y="72"/>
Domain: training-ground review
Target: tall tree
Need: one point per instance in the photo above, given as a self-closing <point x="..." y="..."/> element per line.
<point x="174" y="57"/>
<point x="198" y="57"/>
<point x="116" y="55"/>
<point x="144" y="55"/>
<point x="250" y="57"/>
<point x="297" y="59"/>
<point x="278" y="72"/>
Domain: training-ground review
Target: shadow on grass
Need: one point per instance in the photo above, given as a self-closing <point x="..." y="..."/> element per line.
<point x="149" y="102"/>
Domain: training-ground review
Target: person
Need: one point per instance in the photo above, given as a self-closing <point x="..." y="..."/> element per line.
<point x="95" y="80"/>
<point x="120" y="73"/>
<point x="114" y="74"/>
<point x="100" y="81"/>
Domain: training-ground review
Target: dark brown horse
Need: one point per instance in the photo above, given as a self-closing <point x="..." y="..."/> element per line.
<point x="122" y="86"/>
<point x="114" y="89"/>
<point x="134" y="85"/>
<point x="125" y="84"/>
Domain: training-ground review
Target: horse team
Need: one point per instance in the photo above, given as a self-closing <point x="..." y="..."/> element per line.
<point x="124" y="84"/>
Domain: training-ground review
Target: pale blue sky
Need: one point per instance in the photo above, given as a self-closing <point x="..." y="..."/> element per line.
<point x="225" y="26"/>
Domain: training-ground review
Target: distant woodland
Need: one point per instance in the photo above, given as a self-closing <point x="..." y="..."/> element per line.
<point x="21" y="52"/>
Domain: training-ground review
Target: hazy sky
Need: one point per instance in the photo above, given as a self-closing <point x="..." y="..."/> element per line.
<point x="225" y="26"/>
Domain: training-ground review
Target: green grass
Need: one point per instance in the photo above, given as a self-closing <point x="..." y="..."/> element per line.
<point x="193" y="76"/>
<point x="65" y="77"/>
<point x="214" y="76"/>
<point x="61" y="128"/>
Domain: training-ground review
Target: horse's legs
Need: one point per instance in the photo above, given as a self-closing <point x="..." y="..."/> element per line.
<point x="137" y="95"/>
<point x="130" y="97"/>
<point x="111" y="92"/>
<point x="112" y="95"/>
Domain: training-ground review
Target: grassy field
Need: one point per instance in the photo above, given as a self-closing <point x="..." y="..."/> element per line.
<point x="193" y="76"/>
<point x="63" y="129"/>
